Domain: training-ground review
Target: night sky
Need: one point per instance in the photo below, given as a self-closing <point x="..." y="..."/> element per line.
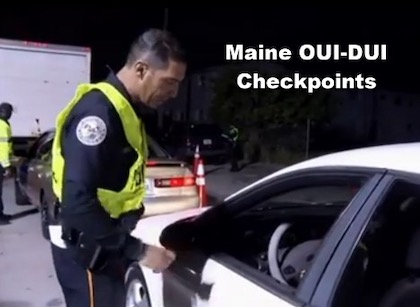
<point x="204" y="32"/>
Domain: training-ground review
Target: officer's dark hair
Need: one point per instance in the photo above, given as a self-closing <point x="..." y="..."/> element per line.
<point x="158" y="46"/>
<point x="6" y="110"/>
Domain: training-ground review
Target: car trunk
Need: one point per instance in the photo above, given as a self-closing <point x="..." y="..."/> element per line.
<point x="167" y="177"/>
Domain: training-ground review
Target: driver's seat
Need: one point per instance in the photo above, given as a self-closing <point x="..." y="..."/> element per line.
<point x="406" y="292"/>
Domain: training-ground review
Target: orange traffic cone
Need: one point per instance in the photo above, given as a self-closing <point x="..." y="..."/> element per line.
<point x="200" y="181"/>
<point x="196" y="158"/>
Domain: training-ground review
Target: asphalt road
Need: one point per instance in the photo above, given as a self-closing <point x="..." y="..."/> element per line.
<point x="27" y="277"/>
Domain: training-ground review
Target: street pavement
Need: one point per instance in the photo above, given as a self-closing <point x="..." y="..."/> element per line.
<point x="27" y="277"/>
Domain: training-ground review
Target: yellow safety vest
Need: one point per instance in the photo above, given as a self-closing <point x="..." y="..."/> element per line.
<point x="131" y="196"/>
<point x="6" y="146"/>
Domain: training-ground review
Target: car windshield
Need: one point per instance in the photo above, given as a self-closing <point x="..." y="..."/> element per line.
<point x="155" y="150"/>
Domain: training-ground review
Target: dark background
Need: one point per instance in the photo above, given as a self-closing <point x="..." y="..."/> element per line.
<point x="205" y="31"/>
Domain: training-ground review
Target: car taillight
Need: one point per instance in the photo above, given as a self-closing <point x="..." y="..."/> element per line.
<point x="175" y="182"/>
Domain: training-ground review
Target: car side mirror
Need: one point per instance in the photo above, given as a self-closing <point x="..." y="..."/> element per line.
<point x="179" y="236"/>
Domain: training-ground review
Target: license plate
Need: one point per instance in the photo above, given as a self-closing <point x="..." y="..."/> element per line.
<point x="207" y="142"/>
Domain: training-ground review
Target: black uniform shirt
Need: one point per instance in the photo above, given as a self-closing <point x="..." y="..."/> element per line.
<point x="89" y="167"/>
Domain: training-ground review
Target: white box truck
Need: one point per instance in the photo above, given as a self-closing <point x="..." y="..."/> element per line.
<point x="39" y="79"/>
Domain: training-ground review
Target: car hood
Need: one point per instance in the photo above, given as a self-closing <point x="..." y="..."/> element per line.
<point x="149" y="229"/>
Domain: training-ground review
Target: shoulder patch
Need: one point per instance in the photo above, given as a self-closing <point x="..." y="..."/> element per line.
<point x="91" y="131"/>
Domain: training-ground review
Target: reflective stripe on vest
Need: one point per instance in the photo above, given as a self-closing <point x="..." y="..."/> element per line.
<point x="131" y="196"/>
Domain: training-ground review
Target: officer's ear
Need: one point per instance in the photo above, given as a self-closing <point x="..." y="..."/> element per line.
<point x="141" y="69"/>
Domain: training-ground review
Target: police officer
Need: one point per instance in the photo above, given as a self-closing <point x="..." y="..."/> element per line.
<point x="232" y="135"/>
<point x="6" y="151"/>
<point x="99" y="155"/>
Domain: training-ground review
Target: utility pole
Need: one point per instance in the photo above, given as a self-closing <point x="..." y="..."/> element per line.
<point x="165" y="20"/>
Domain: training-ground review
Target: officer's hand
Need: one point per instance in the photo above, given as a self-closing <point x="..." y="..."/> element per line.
<point x="157" y="258"/>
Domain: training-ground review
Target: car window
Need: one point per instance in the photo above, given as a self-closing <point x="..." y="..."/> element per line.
<point x="390" y="243"/>
<point x="289" y="216"/>
<point x="328" y="194"/>
<point x="272" y="235"/>
<point x="44" y="151"/>
<point x="155" y="150"/>
<point x="33" y="149"/>
<point x="310" y="191"/>
<point x="307" y="211"/>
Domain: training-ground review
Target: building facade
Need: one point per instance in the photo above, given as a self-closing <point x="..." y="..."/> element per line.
<point x="370" y="116"/>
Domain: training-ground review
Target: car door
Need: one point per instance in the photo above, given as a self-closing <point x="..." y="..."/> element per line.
<point x="23" y="168"/>
<point x="38" y="171"/>
<point x="222" y="280"/>
<point x="196" y="280"/>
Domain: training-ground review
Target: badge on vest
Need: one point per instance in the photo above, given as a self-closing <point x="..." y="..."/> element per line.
<point x="91" y="131"/>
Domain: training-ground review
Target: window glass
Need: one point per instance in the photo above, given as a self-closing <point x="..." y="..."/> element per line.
<point x="386" y="258"/>
<point x="44" y="151"/>
<point x="292" y="221"/>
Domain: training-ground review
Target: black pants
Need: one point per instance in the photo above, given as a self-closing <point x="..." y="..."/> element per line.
<point x="1" y="190"/>
<point x="82" y="288"/>
<point x="234" y="157"/>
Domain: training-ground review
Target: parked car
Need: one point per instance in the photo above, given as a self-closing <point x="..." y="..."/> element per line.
<point x="181" y="140"/>
<point x="170" y="183"/>
<point x="341" y="230"/>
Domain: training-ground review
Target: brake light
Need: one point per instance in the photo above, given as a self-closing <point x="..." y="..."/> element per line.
<point x="175" y="182"/>
<point x="151" y="163"/>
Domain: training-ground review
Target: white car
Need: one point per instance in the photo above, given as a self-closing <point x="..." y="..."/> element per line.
<point x="339" y="230"/>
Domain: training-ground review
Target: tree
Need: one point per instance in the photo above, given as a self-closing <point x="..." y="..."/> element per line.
<point x="263" y="114"/>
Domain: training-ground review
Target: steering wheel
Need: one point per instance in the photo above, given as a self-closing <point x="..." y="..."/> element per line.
<point x="288" y="265"/>
<point x="276" y="254"/>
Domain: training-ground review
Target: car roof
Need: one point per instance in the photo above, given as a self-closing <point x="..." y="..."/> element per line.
<point x="399" y="157"/>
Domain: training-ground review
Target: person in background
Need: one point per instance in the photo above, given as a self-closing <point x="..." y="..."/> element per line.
<point x="232" y="136"/>
<point x="6" y="152"/>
